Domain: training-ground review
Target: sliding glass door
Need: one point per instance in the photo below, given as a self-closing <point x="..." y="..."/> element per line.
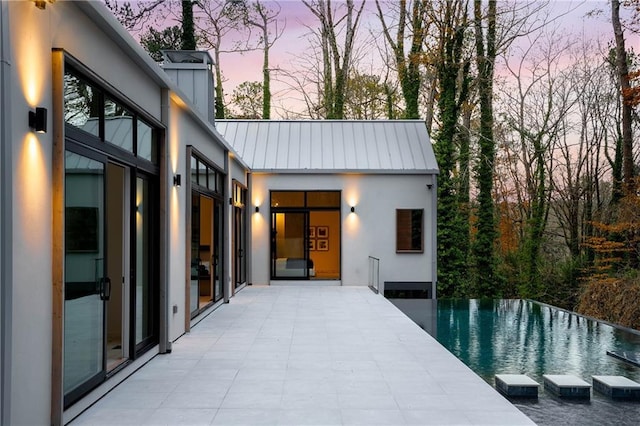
<point x="87" y="286"/>
<point x="110" y="300"/>
<point x="306" y="235"/>
<point x="289" y="245"/>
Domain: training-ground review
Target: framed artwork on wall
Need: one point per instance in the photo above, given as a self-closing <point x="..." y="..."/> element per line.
<point x="312" y="232"/>
<point x="322" y="245"/>
<point x="312" y="245"/>
<point x="322" y="232"/>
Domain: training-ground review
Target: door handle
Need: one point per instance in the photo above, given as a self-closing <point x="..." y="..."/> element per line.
<point x="105" y="290"/>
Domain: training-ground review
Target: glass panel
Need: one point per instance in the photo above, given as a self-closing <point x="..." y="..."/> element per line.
<point x="220" y="183"/>
<point x="197" y="268"/>
<point x="287" y="199"/>
<point x="324" y="244"/>
<point x="147" y="147"/>
<point x="202" y="174"/>
<point x="289" y="251"/>
<point x="409" y="230"/>
<point x="118" y="125"/>
<point x="211" y="183"/>
<point x="144" y="324"/>
<point x="239" y="245"/>
<point x="323" y="199"/>
<point x="194" y="170"/>
<point x="217" y="251"/>
<point x="84" y="270"/>
<point x="81" y="104"/>
<point x="205" y="251"/>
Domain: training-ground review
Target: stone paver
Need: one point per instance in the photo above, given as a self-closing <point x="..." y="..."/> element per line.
<point x="305" y="356"/>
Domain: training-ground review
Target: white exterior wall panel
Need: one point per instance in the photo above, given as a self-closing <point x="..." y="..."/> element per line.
<point x="31" y="308"/>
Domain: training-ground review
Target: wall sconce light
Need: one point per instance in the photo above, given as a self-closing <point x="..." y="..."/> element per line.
<point x="177" y="180"/>
<point x="353" y="209"/>
<point x="42" y="4"/>
<point x="257" y="209"/>
<point x="38" y="120"/>
<point x="429" y="185"/>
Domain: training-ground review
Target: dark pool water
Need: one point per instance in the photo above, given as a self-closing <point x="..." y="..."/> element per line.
<point x="523" y="337"/>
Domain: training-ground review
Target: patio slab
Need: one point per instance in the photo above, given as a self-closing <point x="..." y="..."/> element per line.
<point x="305" y="355"/>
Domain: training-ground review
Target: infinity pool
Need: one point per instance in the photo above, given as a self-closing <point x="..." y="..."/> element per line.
<point x="523" y="337"/>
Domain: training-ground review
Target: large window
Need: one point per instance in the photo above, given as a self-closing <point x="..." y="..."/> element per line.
<point x="111" y="293"/>
<point x="409" y="230"/>
<point x="93" y="110"/>
<point x="207" y="225"/>
<point x="305" y="235"/>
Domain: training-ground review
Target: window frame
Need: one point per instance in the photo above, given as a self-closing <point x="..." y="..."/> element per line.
<point x="409" y="226"/>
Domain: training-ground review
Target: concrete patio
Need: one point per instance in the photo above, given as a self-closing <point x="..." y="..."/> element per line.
<point x="304" y="356"/>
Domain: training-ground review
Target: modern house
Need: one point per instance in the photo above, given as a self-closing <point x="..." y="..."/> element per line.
<point x="127" y="213"/>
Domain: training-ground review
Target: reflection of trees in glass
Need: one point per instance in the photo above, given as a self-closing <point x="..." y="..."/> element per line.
<point x="81" y="102"/>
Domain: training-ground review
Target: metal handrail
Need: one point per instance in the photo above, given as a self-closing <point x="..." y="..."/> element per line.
<point x="374" y="274"/>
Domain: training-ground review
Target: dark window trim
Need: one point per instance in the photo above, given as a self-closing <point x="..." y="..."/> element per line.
<point x="106" y="90"/>
<point x="220" y="172"/>
<point x="403" y="250"/>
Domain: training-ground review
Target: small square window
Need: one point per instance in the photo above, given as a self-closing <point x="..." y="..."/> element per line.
<point x="409" y="230"/>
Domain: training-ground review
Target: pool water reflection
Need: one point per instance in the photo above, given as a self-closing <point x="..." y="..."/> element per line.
<point x="524" y="337"/>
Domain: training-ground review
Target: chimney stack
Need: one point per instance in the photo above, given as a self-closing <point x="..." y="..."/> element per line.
<point x="191" y="70"/>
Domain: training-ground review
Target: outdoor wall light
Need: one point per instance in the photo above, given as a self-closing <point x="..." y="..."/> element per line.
<point x="353" y="209"/>
<point x="257" y="209"/>
<point x="42" y="4"/>
<point x="177" y="180"/>
<point x="38" y="120"/>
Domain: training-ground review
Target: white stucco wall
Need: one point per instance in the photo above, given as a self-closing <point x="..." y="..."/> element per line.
<point x="370" y="231"/>
<point x="31" y="200"/>
<point x="32" y="34"/>
<point x="183" y="130"/>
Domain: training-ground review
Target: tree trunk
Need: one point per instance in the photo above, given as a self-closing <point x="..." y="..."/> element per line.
<point x="623" y="77"/>
<point x="188" y="30"/>
<point x="453" y="81"/>
<point x="486" y="230"/>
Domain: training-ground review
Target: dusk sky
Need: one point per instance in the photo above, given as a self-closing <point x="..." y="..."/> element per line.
<point x="572" y="20"/>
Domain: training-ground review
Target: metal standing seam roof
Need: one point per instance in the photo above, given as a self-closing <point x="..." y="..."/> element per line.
<point x="332" y="146"/>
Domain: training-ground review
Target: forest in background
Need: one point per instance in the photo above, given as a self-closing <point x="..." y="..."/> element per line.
<point x="534" y="127"/>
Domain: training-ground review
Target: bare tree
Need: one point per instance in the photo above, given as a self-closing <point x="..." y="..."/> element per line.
<point x="625" y="89"/>
<point x="336" y="60"/>
<point x="535" y="108"/>
<point x="217" y="20"/>
<point x="411" y="24"/>
<point x="265" y="19"/>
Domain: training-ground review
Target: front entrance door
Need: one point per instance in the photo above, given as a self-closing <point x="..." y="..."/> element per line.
<point x="289" y="245"/>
